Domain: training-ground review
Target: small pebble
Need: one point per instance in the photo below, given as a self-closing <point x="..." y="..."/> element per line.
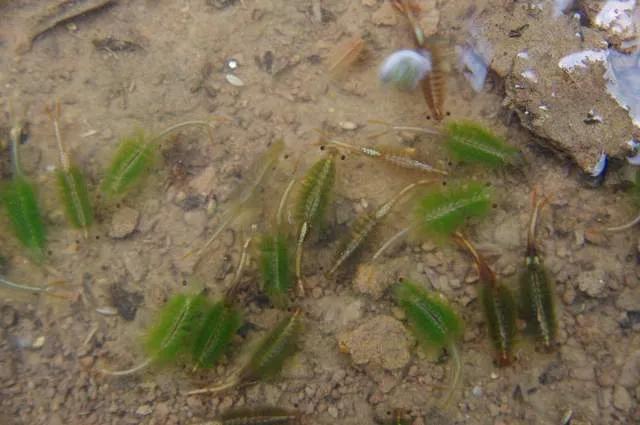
<point x="428" y="247"/>
<point x="398" y="313"/>
<point x="8" y="316"/>
<point x="595" y="237"/>
<point x="316" y="292"/>
<point x="124" y="223"/>
<point x="144" y="410"/>
<point x="162" y="412"/>
<point x="630" y="372"/>
<point x="226" y="403"/>
<point x="204" y="182"/>
<point x="87" y="361"/>
<point x="107" y="311"/>
<point x="621" y="398"/>
<point x="369" y="279"/>
<point x="592" y="283"/>
<point x="569" y="296"/>
<point x="234" y="81"/>
<point x="477" y="391"/>
<point x="38" y="343"/>
<point x="348" y="125"/>
<point x="333" y="412"/>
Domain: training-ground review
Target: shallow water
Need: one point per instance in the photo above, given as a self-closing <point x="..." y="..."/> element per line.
<point x="174" y="69"/>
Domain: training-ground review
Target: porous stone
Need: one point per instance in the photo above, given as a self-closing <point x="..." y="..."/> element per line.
<point x="124" y="223"/>
<point x="367" y="281"/>
<point x="592" y="283"/>
<point x="203" y="183"/>
<point x="380" y="341"/>
<point x="374" y="279"/>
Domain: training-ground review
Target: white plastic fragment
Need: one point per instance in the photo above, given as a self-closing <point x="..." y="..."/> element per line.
<point x="405" y="68"/>
<point x="475" y="65"/>
<point x="234" y="81"/>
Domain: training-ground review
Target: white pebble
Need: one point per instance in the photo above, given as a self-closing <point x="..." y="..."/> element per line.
<point x="234" y="81"/>
<point x="348" y="125"/>
<point x="107" y="311"/>
<point x="333" y="412"/>
<point x="144" y="410"/>
<point x="38" y="343"/>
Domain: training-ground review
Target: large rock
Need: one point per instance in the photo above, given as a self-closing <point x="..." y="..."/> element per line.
<point x="563" y="98"/>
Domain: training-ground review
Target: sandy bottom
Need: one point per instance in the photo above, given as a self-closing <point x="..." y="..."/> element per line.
<point x="144" y="64"/>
